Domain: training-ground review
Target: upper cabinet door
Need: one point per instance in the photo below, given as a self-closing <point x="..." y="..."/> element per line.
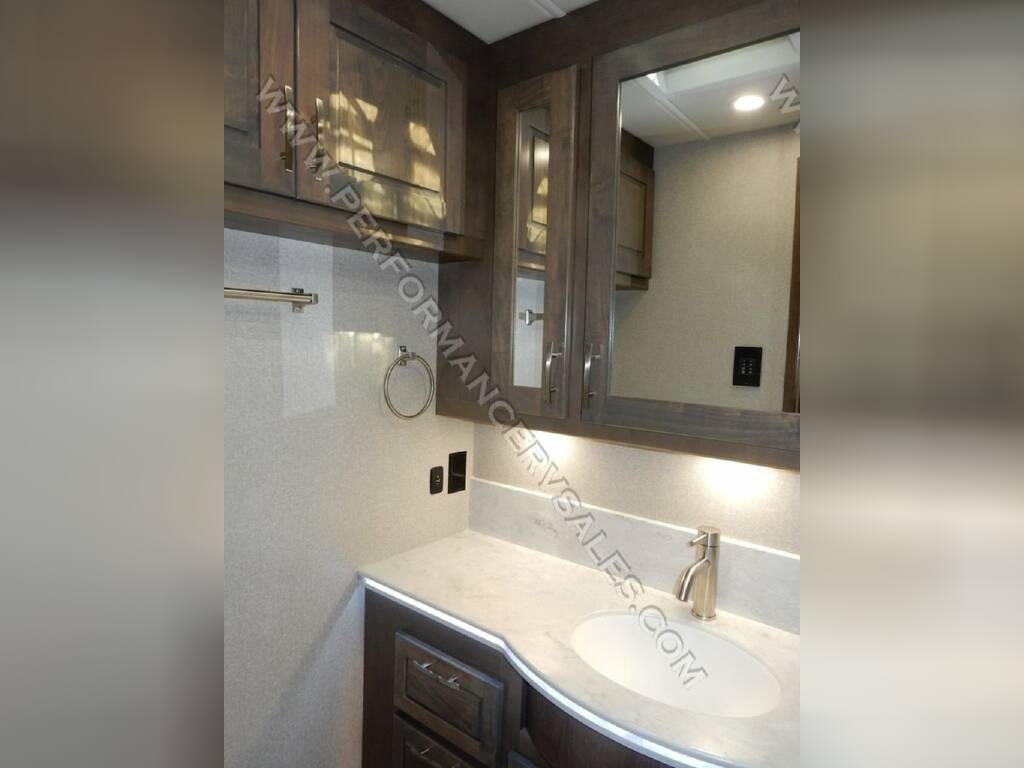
<point x="533" y="241"/>
<point x="385" y="106"/>
<point x="259" y="51"/>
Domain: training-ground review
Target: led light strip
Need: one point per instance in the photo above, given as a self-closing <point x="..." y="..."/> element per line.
<point x="609" y="729"/>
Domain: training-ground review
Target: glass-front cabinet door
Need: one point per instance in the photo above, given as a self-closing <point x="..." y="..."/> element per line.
<point x="533" y="241"/>
<point x="693" y="284"/>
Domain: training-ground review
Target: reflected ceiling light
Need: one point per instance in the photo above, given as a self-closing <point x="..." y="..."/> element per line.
<point x="748" y="103"/>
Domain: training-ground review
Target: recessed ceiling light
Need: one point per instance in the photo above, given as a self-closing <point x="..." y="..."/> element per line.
<point x="748" y="103"/>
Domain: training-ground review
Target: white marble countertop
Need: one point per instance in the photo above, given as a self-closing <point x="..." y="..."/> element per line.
<point x="527" y="604"/>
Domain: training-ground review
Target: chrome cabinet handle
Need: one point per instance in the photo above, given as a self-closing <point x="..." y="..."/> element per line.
<point x="289" y="130"/>
<point x="450" y="682"/>
<point x="313" y="161"/>
<point x="552" y="354"/>
<point x="588" y="365"/>
<point x="530" y="317"/>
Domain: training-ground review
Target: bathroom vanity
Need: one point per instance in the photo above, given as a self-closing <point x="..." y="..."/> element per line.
<point x="611" y="202"/>
<point x="479" y="652"/>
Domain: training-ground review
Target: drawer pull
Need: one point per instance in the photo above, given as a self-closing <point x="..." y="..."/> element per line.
<point x="421" y="755"/>
<point x="425" y="668"/>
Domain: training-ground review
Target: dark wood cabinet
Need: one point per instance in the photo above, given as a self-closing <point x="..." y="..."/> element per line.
<point x="389" y="108"/>
<point x="259" y="48"/>
<point x="508" y="159"/>
<point x="533" y="241"/>
<point x="409" y="665"/>
<point x="563" y="742"/>
<point x="456" y="701"/>
<point x="469" y="707"/>
<point x="367" y="96"/>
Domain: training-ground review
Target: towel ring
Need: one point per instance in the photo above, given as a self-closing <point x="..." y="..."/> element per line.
<point x="402" y="360"/>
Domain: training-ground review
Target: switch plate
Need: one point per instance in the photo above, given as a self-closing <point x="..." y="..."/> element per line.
<point x="746" y="367"/>
<point x="436" y="479"/>
<point x="456" y="472"/>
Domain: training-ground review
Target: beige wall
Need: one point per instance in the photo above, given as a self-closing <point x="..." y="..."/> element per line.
<point x="319" y="479"/>
<point x="756" y="504"/>
<point x="723" y="240"/>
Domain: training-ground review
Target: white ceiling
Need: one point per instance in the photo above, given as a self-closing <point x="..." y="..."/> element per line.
<point x="694" y="101"/>
<point x="492" y="20"/>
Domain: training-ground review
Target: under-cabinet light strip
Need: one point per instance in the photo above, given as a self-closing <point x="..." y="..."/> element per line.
<point x="609" y="729"/>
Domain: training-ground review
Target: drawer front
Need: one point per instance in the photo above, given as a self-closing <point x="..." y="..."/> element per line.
<point x="459" y="703"/>
<point x="515" y="760"/>
<point x="415" y="749"/>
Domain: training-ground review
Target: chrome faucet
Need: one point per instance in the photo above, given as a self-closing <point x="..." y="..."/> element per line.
<point x="701" y="579"/>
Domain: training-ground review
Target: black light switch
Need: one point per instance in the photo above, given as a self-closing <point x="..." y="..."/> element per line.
<point x="436" y="479"/>
<point x="456" y="472"/>
<point x="746" y="367"/>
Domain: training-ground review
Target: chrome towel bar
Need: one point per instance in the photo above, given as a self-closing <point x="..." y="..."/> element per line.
<point x="298" y="298"/>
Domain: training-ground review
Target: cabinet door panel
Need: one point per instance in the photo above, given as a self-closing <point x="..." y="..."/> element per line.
<point x="388" y="108"/>
<point x="258" y="45"/>
<point x="533" y="241"/>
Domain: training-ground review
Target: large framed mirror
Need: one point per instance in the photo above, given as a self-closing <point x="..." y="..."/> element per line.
<point x="693" y="283"/>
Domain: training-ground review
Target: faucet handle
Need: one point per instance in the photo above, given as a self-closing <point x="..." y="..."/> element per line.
<point x="707" y="535"/>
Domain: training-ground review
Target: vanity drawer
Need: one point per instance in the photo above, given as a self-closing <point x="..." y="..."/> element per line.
<point x="415" y="749"/>
<point x="459" y="703"/>
<point x="515" y="760"/>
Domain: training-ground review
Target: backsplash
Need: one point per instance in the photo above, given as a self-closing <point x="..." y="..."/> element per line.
<point x="760" y="505"/>
<point x="648" y="505"/>
<point x="319" y="479"/>
<point x="753" y="581"/>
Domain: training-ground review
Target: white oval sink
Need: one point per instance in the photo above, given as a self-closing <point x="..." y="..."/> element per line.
<point x="676" y="663"/>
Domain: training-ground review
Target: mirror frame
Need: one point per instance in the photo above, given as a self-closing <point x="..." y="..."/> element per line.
<point x="745" y="433"/>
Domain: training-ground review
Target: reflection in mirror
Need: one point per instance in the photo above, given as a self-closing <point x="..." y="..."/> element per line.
<point x="532" y="150"/>
<point x="707" y="248"/>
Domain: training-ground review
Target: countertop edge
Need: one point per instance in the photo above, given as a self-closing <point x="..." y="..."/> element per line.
<point x="605" y="727"/>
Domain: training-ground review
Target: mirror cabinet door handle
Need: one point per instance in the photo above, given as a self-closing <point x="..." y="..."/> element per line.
<point x="552" y="354"/>
<point x="289" y="130"/>
<point x="588" y="365"/>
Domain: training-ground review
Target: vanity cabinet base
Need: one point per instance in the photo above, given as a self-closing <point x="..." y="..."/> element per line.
<point x="511" y="725"/>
